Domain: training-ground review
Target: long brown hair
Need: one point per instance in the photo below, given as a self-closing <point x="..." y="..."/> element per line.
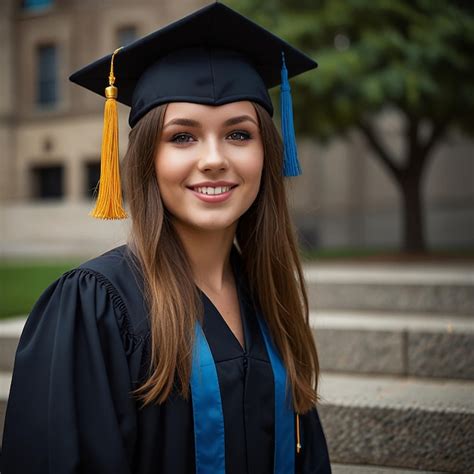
<point x="270" y="260"/>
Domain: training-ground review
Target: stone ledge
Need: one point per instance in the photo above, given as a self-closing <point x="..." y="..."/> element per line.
<point x="379" y="273"/>
<point x="361" y="342"/>
<point x="393" y="343"/>
<point x="10" y="331"/>
<point x="388" y="422"/>
<point x="358" y="469"/>
<point x="400" y="297"/>
<point x="399" y="422"/>
<point x="5" y="381"/>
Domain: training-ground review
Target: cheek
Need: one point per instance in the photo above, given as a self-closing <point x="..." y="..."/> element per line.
<point x="252" y="167"/>
<point x="169" y="171"/>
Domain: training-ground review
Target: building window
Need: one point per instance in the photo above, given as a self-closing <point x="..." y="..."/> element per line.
<point x="36" y="4"/>
<point x="92" y="176"/>
<point x="48" y="182"/>
<point x="47" y="83"/>
<point x="126" y="35"/>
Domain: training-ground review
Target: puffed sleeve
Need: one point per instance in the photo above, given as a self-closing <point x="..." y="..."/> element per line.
<point x="69" y="409"/>
<point x="314" y="456"/>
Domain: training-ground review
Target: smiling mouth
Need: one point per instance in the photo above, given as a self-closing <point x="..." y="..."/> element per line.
<point x="212" y="190"/>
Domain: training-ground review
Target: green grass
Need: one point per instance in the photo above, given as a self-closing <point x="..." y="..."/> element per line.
<point x="22" y="282"/>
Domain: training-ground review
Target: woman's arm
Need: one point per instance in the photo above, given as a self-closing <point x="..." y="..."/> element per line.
<point x="69" y="409"/>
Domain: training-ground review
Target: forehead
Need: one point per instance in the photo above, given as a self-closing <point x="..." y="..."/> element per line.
<point x="209" y="113"/>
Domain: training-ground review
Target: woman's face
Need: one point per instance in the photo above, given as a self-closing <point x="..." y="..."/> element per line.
<point x="208" y="163"/>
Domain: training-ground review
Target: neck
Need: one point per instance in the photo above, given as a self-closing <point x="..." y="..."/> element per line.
<point x="209" y="255"/>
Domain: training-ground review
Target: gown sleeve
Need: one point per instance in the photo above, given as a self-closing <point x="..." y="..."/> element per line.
<point x="69" y="409"/>
<point x="314" y="456"/>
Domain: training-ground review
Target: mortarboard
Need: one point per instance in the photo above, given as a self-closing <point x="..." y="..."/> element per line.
<point x="213" y="56"/>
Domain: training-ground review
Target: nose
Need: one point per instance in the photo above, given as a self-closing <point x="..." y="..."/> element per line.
<point x="213" y="157"/>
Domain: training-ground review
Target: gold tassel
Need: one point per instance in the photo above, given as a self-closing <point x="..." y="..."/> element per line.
<point x="298" y="443"/>
<point x="109" y="201"/>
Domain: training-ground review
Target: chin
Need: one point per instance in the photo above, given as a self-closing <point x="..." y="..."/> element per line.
<point x="213" y="225"/>
<point x="209" y="222"/>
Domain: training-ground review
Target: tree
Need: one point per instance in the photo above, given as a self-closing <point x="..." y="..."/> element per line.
<point x="413" y="57"/>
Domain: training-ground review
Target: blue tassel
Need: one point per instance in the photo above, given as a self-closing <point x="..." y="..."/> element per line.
<point x="291" y="166"/>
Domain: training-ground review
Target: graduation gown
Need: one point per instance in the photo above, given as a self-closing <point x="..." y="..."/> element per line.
<point x="86" y="346"/>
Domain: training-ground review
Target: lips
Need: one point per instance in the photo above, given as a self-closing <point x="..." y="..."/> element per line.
<point x="213" y="192"/>
<point x="212" y="188"/>
<point x="212" y="184"/>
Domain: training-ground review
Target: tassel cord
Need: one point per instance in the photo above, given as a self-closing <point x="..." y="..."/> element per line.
<point x="298" y="441"/>
<point x="291" y="166"/>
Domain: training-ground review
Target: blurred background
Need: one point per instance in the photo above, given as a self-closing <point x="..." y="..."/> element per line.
<point x="384" y="124"/>
<point x="384" y="209"/>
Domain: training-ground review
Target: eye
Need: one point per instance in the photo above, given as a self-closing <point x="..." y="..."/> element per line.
<point x="239" y="136"/>
<point x="182" y="138"/>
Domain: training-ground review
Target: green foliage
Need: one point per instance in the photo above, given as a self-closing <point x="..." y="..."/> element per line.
<point x="416" y="57"/>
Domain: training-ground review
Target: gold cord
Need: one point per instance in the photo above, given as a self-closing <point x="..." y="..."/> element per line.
<point x="111" y="73"/>
<point x="298" y="443"/>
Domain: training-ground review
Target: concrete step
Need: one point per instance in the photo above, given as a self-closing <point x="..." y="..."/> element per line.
<point x="10" y="331"/>
<point x="5" y="381"/>
<point x="394" y="343"/>
<point x="357" y="469"/>
<point x="361" y="342"/>
<point x="373" y="424"/>
<point x="399" y="422"/>
<point x="411" y="288"/>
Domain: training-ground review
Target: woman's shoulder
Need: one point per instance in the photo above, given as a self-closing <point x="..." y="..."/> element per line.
<point x="115" y="275"/>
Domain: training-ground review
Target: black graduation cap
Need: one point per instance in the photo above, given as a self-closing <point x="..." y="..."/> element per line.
<point x="213" y="56"/>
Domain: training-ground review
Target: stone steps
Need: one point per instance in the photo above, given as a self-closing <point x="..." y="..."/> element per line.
<point x="10" y="331"/>
<point x="394" y="343"/>
<point x="362" y="342"/>
<point x="410" y="288"/>
<point x="373" y="423"/>
<point x="399" y="422"/>
<point x="5" y="381"/>
<point x="338" y="468"/>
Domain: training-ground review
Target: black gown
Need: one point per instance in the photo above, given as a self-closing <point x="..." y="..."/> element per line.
<point x="86" y="345"/>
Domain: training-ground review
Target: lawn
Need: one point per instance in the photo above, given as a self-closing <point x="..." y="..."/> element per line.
<point x="22" y="282"/>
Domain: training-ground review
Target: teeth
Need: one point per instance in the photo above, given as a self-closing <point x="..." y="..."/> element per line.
<point x="212" y="191"/>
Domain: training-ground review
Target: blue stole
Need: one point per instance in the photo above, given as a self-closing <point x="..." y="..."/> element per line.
<point x="209" y="419"/>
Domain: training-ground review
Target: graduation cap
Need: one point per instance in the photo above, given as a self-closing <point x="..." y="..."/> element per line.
<point x="213" y="56"/>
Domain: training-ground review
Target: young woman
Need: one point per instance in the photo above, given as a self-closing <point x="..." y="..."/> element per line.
<point x="188" y="349"/>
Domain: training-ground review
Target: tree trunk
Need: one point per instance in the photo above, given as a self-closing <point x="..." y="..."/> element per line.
<point x="409" y="176"/>
<point x="412" y="212"/>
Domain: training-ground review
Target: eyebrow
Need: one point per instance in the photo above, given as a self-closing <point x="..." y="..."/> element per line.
<point x="194" y="123"/>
